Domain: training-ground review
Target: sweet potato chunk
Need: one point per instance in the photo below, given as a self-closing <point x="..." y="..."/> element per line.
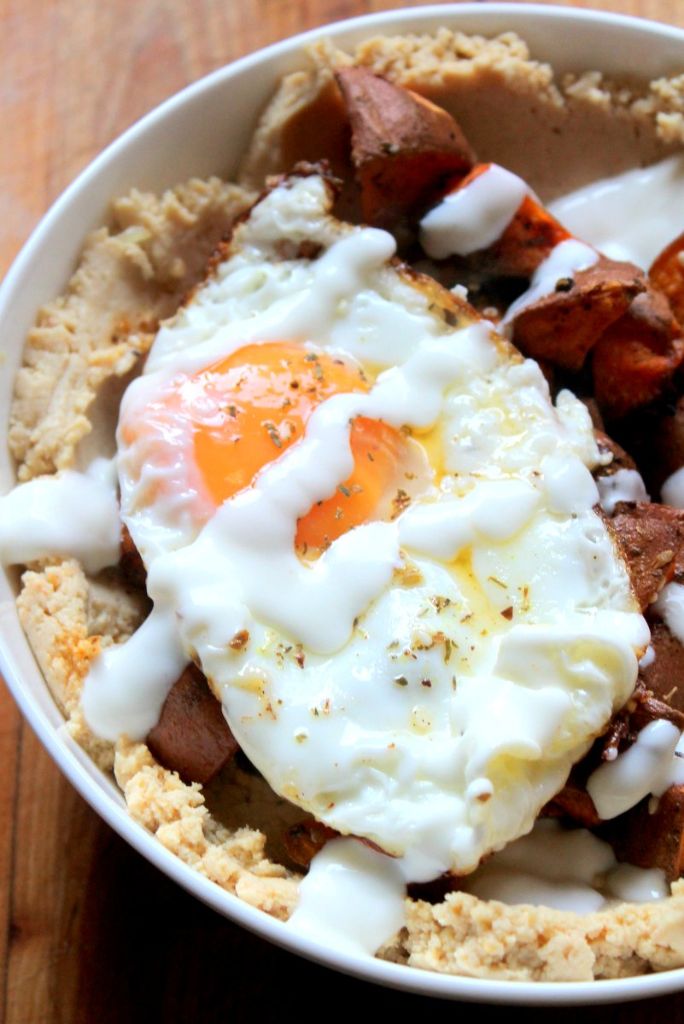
<point x="649" y="537"/>
<point x="621" y="459"/>
<point x="650" y="709"/>
<point x="634" y="360"/>
<point x="565" y="325"/>
<point x="192" y="737"/>
<point x="664" y="677"/>
<point x="404" y="148"/>
<point x="525" y="243"/>
<point x="651" y="840"/>
<point x="130" y="561"/>
<point x="644" y="707"/>
<point x="667" y="275"/>
<point x="665" y="445"/>
<point x="573" y="802"/>
<point x="527" y="240"/>
<point x="304" y="840"/>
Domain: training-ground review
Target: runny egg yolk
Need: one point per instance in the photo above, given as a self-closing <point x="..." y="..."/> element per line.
<point x="246" y="410"/>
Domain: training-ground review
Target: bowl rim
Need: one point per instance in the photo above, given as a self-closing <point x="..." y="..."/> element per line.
<point x="72" y="761"/>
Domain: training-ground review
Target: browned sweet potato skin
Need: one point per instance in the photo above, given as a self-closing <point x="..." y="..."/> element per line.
<point x="621" y="459"/>
<point x="649" y="537"/>
<point x="651" y="840"/>
<point x="667" y="275"/>
<point x="304" y="840"/>
<point x="664" y="448"/>
<point x="650" y="709"/>
<point x="573" y="802"/>
<point x="525" y="243"/>
<point x="404" y="148"/>
<point x="564" y="326"/>
<point x="192" y="737"/>
<point x="664" y="677"/>
<point x="130" y="561"/>
<point x="322" y="126"/>
<point x="635" y="359"/>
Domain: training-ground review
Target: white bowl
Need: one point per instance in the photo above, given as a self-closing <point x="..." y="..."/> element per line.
<point x="149" y="156"/>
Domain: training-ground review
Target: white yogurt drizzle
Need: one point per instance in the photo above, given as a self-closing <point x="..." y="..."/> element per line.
<point x="352" y="899"/>
<point x="648" y="658"/>
<point x="672" y="491"/>
<point x="68" y="515"/>
<point x="338" y="274"/>
<point x="623" y="485"/>
<point x="568" y="870"/>
<point x="629" y="216"/>
<point x="442" y="530"/>
<point x="644" y="768"/>
<point x="670" y="606"/>
<point x="564" y="261"/>
<point x="565" y="869"/>
<point x="127" y="685"/>
<point x="474" y="216"/>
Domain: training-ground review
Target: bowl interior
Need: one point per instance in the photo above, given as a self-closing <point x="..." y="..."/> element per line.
<point x="201" y="131"/>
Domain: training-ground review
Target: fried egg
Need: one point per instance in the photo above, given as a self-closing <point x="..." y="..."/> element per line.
<point x="362" y="514"/>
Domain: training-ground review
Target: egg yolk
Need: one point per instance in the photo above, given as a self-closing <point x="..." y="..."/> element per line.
<point x="247" y="409"/>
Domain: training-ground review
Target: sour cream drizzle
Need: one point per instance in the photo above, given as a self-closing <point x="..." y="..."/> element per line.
<point x="343" y="878"/>
<point x="629" y="216"/>
<point x="670" y="605"/>
<point x="645" y="767"/>
<point x="126" y="688"/>
<point x="623" y="485"/>
<point x="672" y="491"/>
<point x="474" y="216"/>
<point x="569" y="870"/>
<point x="565" y="869"/>
<point x="69" y="515"/>
<point x="564" y="261"/>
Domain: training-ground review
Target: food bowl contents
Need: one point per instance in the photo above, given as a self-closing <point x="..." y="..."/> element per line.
<point x="377" y="625"/>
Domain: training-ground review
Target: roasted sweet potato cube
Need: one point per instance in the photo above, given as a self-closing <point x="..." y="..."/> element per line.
<point x="573" y="802"/>
<point x="666" y="443"/>
<point x="649" y="537"/>
<point x="621" y="459"/>
<point x="664" y="676"/>
<point x="651" y="709"/>
<point x="528" y="239"/>
<point x="525" y="243"/>
<point x="667" y="275"/>
<point x="192" y="737"/>
<point x="651" y="840"/>
<point x="654" y="435"/>
<point x="305" y="839"/>
<point x="131" y="563"/>
<point x="404" y="147"/>
<point x="564" y="326"/>
<point x="435" y="891"/>
<point x="635" y="359"/>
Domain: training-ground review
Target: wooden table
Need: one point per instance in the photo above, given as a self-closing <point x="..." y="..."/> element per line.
<point x="76" y="903"/>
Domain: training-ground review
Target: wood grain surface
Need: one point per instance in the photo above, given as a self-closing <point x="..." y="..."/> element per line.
<point x="89" y="932"/>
